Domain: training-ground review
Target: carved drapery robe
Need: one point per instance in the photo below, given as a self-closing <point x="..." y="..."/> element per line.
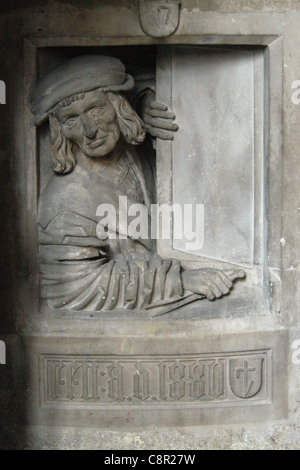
<point x="79" y="271"/>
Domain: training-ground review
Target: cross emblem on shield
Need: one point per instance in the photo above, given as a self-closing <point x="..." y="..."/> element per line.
<point x="246" y="376"/>
<point x="159" y="18"/>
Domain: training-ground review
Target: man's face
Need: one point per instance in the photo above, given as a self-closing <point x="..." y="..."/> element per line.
<point x="91" y="123"/>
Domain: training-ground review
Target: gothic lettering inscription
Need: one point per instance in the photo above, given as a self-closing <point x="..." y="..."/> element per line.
<point x="204" y="378"/>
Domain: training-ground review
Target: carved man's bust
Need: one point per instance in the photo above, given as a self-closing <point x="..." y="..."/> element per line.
<point x="93" y="134"/>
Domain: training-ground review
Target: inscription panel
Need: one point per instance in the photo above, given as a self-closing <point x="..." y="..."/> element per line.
<point x="140" y="380"/>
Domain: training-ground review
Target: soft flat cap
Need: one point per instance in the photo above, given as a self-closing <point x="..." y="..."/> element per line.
<point x="78" y="75"/>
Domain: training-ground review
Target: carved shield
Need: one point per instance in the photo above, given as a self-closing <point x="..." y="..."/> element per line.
<point x="159" y="18"/>
<point x="246" y="376"/>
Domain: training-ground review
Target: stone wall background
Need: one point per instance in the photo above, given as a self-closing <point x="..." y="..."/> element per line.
<point x="40" y="18"/>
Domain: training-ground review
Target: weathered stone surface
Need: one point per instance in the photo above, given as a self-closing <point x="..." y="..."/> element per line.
<point x="264" y="437"/>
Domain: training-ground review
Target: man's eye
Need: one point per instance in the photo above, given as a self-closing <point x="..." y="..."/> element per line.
<point x="97" y="110"/>
<point x="70" y="122"/>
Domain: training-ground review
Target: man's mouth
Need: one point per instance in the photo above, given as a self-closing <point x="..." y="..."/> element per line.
<point x="97" y="143"/>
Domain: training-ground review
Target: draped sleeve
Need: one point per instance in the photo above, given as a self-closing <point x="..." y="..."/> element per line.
<point x="81" y="272"/>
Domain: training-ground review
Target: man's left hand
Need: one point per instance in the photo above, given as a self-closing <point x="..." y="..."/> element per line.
<point x="159" y="121"/>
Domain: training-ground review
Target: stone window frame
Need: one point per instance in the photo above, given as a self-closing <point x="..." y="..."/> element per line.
<point x="273" y="142"/>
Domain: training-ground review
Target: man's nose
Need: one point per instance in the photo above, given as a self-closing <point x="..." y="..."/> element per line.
<point x="89" y="126"/>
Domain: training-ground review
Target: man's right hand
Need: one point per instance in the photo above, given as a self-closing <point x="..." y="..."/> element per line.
<point x="212" y="283"/>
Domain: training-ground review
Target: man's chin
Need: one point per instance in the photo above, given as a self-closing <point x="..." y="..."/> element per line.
<point x="102" y="151"/>
<point x="95" y="156"/>
<point x="97" y="153"/>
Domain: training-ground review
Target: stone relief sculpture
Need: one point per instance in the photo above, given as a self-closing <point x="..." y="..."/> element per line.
<point x="94" y="132"/>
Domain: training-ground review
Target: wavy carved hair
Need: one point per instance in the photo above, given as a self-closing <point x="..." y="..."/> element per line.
<point x="63" y="150"/>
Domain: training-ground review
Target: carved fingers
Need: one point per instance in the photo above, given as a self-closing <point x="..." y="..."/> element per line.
<point x="211" y="283"/>
<point x="159" y="121"/>
<point x="218" y="286"/>
<point x="158" y="105"/>
<point x="224" y="282"/>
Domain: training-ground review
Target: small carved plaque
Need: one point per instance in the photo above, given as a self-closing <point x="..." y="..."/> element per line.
<point x="165" y="379"/>
<point x="159" y="18"/>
